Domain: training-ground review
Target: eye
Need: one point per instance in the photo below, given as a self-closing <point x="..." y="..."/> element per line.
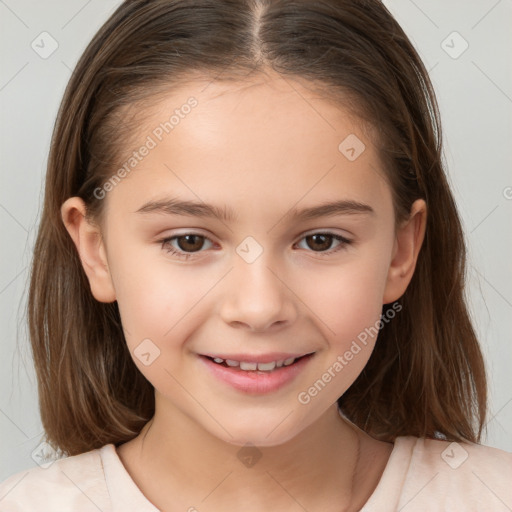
<point x="323" y="240"/>
<point x="190" y="243"/>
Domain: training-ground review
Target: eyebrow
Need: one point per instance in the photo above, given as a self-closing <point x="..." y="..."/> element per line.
<point x="174" y="206"/>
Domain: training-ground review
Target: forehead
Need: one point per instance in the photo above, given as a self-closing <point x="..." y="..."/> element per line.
<point x="270" y="140"/>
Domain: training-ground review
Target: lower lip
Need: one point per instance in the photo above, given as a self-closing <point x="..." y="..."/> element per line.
<point x="256" y="382"/>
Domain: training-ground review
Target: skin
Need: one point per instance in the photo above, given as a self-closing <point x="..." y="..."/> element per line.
<point x="262" y="148"/>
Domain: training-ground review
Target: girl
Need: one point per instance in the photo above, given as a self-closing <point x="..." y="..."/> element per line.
<point x="247" y="287"/>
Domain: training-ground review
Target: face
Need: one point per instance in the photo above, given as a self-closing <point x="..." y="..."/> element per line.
<point x="251" y="324"/>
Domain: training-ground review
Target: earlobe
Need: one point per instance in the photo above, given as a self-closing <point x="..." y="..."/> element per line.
<point x="408" y="242"/>
<point x="90" y="247"/>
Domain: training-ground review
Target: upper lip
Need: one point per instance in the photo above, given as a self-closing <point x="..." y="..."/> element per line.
<point x="258" y="358"/>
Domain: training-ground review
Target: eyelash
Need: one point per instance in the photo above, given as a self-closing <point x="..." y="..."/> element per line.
<point x="165" y="242"/>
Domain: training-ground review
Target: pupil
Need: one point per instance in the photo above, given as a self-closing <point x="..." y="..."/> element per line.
<point x="195" y="247"/>
<point x="325" y="245"/>
<point x="323" y="242"/>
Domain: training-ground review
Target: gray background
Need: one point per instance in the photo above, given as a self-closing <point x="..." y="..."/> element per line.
<point x="475" y="95"/>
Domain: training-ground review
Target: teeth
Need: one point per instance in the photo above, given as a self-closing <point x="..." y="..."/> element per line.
<point x="266" y="366"/>
<point x="249" y="366"/>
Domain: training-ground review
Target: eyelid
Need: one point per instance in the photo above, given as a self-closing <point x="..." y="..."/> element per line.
<point x="167" y="240"/>
<point x="344" y="242"/>
<point x="198" y="232"/>
<point x="325" y="231"/>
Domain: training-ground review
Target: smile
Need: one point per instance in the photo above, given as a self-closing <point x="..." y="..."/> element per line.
<point x="252" y="366"/>
<point x="241" y="372"/>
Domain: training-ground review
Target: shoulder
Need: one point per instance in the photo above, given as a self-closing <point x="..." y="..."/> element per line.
<point x="456" y="475"/>
<point x="73" y="483"/>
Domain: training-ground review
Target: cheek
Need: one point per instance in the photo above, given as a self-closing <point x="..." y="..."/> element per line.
<point x="155" y="312"/>
<point x="142" y="300"/>
<point x="347" y="299"/>
<point x="159" y="300"/>
<point x="349" y="306"/>
<point x="147" y="294"/>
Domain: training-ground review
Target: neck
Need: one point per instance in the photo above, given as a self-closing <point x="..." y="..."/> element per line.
<point x="174" y="460"/>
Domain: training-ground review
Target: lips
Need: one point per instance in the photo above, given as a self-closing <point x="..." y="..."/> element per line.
<point x="258" y="358"/>
<point x="248" y="363"/>
<point x="256" y="374"/>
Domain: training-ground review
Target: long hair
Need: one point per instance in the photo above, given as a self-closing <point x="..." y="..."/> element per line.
<point x="426" y="375"/>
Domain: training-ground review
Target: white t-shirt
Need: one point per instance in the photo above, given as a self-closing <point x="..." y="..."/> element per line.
<point x="421" y="474"/>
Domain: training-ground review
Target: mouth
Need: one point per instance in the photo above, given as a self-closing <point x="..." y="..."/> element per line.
<point x="256" y="374"/>
<point x="251" y="366"/>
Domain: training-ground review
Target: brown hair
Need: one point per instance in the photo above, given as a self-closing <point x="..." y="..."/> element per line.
<point x="426" y="375"/>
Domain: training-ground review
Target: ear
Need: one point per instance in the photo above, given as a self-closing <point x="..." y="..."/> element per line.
<point x="91" y="249"/>
<point x="408" y="241"/>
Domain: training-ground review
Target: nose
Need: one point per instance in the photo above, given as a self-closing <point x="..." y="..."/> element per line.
<point x="256" y="296"/>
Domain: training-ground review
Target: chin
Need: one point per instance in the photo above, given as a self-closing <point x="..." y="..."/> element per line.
<point x="257" y="438"/>
<point x="275" y="430"/>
